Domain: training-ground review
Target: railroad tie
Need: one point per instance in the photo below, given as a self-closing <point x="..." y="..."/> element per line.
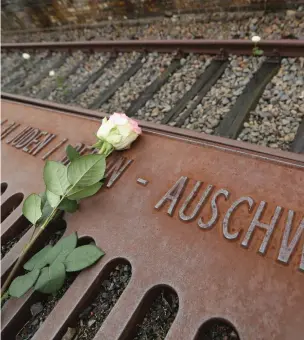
<point x="233" y="122"/>
<point x="107" y="94"/>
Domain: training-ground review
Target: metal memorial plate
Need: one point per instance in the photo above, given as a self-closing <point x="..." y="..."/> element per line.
<point x="221" y="224"/>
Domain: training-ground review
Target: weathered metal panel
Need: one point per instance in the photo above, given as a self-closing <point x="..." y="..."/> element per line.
<point x="223" y="261"/>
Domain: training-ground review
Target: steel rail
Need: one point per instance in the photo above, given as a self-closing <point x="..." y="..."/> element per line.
<point x="279" y="48"/>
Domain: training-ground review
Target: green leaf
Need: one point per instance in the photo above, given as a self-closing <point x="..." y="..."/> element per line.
<point x="62" y="249"/>
<point x="39" y="260"/>
<point x="51" y="278"/>
<point x="71" y="153"/>
<point x="45" y="207"/>
<point x="68" y="205"/>
<point x="78" y="193"/>
<point x="43" y="199"/>
<point x="257" y="51"/>
<point x="53" y="199"/>
<point x="86" y="170"/>
<point x="82" y="257"/>
<point x="32" y="208"/>
<point x="46" y="212"/>
<point x="55" y="177"/>
<point x="23" y="283"/>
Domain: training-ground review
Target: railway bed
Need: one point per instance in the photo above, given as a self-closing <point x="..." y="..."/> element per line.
<point x="215" y="87"/>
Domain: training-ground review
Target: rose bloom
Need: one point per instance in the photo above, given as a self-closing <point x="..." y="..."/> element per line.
<point x="120" y="131"/>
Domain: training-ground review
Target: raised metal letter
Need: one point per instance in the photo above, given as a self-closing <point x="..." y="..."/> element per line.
<point x="214" y="208"/>
<point x="229" y="212"/>
<point x="268" y="227"/>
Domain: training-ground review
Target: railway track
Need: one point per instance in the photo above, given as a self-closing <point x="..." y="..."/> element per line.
<point x="215" y="87"/>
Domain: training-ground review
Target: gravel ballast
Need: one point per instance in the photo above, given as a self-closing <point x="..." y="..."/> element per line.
<point x="280" y="110"/>
<point x="43" y="60"/>
<point x="121" y="64"/>
<point x="159" y="318"/>
<point x="223" y="95"/>
<point x="90" y="65"/>
<point x="219" y="25"/>
<point x="92" y="317"/>
<point x="32" y="326"/>
<point x="59" y="74"/>
<point x="274" y="122"/>
<point x="27" y="67"/>
<point x="178" y="84"/>
<point x="153" y="66"/>
<point x="9" y="60"/>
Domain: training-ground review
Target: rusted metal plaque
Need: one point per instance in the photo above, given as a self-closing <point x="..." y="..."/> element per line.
<point x="222" y="223"/>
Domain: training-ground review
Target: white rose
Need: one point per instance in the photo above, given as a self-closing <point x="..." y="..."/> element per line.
<point x="105" y="129"/>
<point x="118" y="133"/>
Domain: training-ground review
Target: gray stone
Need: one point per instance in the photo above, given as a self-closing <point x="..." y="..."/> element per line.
<point x="180" y="86"/>
<point x="274" y="145"/>
<point x="225" y="101"/>
<point x="213" y="122"/>
<point x="254" y="134"/>
<point x="155" y="112"/>
<point x="166" y="108"/>
<point x="237" y="92"/>
<point x="291" y="13"/>
<point x="70" y="334"/>
<point x="36" y="308"/>
<point x="265" y="114"/>
<point x="284" y="97"/>
<point x="91" y="322"/>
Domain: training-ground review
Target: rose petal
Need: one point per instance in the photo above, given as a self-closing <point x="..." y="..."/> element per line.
<point x="105" y="129"/>
<point x="135" y="126"/>
<point x="114" y="139"/>
<point x="125" y="130"/>
<point x="126" y="142"/>
<point x="118" y="118"/>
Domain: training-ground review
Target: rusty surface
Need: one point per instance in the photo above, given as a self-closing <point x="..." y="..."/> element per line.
<point x="55" y="14"/>
<point x="214" y="276"/>
<point x="284" y="48"/>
